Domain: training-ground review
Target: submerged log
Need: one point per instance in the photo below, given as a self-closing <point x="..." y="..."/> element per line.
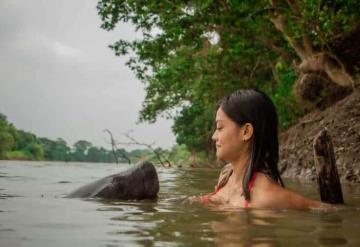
<point x="327" y="175"/>
<point x="137" y="183"/>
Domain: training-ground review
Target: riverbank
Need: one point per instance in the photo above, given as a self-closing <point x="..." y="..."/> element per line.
<point x="343" y="123"/>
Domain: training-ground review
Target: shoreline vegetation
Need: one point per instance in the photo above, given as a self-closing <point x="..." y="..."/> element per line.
<point x="16" y="144"/>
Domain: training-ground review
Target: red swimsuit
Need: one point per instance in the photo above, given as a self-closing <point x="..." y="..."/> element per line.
<point x="205" y="198"/>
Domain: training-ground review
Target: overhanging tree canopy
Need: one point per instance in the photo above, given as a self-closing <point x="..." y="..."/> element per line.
<point x="194" y="52"/>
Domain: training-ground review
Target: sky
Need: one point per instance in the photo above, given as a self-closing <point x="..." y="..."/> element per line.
<point x="58" y="78"/>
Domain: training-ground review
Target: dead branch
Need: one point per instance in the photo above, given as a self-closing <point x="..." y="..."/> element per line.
<point x="327" y="174"/>
<point x="115" y="149"/>
<point x="160" y="157"/>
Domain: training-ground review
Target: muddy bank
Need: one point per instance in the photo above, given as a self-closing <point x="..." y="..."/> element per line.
<point x="343" y="122"/>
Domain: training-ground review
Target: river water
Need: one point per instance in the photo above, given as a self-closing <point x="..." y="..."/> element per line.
<point x="34" y="212"/>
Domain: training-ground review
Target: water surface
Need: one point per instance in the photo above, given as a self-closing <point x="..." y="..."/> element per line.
<point x="34" y="212"/>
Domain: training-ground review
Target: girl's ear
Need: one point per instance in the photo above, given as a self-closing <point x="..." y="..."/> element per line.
<point x="247" y="131"/>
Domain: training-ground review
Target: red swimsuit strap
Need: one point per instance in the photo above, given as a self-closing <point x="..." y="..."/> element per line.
<point x="251" y="183"/>
<point x="205" y="198"/>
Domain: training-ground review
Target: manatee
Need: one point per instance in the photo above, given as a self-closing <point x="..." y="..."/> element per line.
<point x="136" y="183"/>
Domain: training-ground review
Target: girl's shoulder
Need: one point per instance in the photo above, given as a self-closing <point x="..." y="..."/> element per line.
<point x="267" y="193"/>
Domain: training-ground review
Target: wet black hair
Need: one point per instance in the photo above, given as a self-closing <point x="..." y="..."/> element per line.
<point x="255" y="107"/>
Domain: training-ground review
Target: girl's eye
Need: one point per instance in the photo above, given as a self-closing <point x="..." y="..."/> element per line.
<point x="219" y="128"/>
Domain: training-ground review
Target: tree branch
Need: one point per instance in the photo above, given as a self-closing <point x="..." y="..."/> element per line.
<point x="114" y="148"/>
<point x="280" y="24"/>
<point x="163" y="160"/>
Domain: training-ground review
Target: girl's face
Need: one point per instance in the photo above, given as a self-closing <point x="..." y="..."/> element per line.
<point x="231" y="140"/>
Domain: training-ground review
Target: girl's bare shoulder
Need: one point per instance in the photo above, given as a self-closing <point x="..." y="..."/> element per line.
<point x="269" y="194"/>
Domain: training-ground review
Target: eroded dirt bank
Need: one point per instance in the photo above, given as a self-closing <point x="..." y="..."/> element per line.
<point x="343" y="123"/>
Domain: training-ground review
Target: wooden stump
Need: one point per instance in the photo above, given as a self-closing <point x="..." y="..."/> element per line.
<point x="327" y="175"/>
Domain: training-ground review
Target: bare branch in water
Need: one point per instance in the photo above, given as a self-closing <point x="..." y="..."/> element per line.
<point x="115" y="149"/>
<point x="159" y="155"/>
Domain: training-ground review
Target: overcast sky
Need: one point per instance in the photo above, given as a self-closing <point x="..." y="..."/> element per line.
<point x="58" y="78"/>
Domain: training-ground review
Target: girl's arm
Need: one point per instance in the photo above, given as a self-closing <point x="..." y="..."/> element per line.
<point x="268" y="194"/>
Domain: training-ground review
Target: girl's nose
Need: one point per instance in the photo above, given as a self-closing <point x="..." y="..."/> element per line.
<point x="214" y="137"/>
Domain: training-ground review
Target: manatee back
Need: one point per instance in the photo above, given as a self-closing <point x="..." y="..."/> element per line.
<point x="138" y="182"/>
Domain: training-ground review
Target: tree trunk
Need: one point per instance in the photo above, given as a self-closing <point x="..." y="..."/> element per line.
<point x="327" y="175"/>
<point x="323" y="78"/>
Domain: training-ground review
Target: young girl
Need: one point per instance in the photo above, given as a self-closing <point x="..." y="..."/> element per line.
<point x="246" y="136"/>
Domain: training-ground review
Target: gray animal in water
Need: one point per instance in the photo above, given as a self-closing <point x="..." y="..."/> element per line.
<point x="137" y="183"/>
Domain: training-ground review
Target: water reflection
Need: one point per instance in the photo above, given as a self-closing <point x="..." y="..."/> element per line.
<point x="246" y="228"/>
<point x="329" y="232"/>
<point x="32" y="220"/>
<point x="170" y="223"/>
<point x="273" y="228"/>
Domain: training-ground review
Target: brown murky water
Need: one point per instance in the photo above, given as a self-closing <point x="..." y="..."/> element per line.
<point x="33" y="212"/>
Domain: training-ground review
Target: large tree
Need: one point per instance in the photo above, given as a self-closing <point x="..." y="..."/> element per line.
<point x="191" y="53"/>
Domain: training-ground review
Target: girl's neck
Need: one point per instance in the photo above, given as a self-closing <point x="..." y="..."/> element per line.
<point x="239" y="167"/>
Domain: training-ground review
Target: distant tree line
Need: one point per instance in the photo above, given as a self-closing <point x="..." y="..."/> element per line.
<point x="16" y="144"/>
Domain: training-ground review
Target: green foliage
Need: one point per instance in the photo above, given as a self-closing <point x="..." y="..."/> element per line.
<point x="6" y="142"/>
<point x="179" y="154"/>
<point x="48" y="147"/>
<point x="18" y="144"/>
<point x="55" y="150"/>
<point x="16" y="155"/>
<point x="141" y="154"/>
<point x="82" y="145"/>
<point x="80" y="150"/>
<point x="321" y="20"/>
<point x="21" y="145"/>
<point x="35" y="151"/>
<point x="194" y="126"/>
<point x="94" y="154"/>
<point x="282" y="95"/>
<point x="200" y="52"/>
<point x="23" y="138"/>
<point x="192" y="53"/>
